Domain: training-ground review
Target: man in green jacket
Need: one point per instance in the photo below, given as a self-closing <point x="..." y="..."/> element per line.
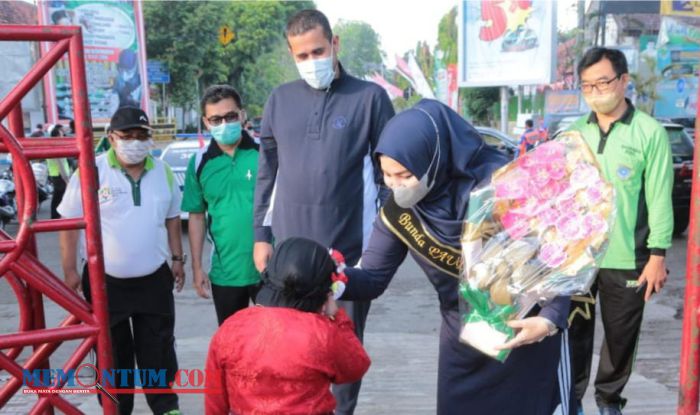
<point x="634" y="153"/>
<point x="219" y="189"/>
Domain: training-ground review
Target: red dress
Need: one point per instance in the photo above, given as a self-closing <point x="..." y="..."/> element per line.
<point x="273" y="360"/>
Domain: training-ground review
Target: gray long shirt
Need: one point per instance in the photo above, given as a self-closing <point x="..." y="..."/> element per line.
<point x="316" y="153"/>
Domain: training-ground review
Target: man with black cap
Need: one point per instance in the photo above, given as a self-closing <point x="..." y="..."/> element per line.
<point x="140" y="221"/>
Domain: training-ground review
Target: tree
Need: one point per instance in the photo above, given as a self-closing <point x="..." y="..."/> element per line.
<point x="426" y="62"/>
<point x="184" y="35"/>
<point x="477" y="101"/>
<point x="271" y="69"/>
<point x="447" y="36"/>
<point x="645" y="82"/>
<point x="360" y="51"/>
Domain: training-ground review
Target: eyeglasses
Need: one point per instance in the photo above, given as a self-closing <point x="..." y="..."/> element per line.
<point x="232" y="116"/>
<point x="601" y="86"/>
<point x="135" y="134"/>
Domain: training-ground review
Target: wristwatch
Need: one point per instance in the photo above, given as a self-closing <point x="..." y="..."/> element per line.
<point x="182" y="258"/>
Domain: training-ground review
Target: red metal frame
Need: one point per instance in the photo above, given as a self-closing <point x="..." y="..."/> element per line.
<point x="690" y="341"/>
<point x="29" y="279"/>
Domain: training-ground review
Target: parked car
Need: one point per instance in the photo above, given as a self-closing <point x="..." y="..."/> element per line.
<point x="691" y="133"/>
<point x="519" y="40"/>
<point x="499" y="140"/>
<point x="178" y="155"/>
<point x="682" y="148"/>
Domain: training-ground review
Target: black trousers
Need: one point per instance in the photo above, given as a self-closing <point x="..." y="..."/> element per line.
<point x="59" y="188"/>
<point x="346" y="394"/>
<point x="622" y="308"/>
<point x="142" y="323"/>
<point x="228" y="300"/>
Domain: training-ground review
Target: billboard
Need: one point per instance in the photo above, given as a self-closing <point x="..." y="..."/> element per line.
<point x="115" y="57"/>
<point x="506" y="43"/>
<point x="677" y="62"/>
<point x="680" y="8"/>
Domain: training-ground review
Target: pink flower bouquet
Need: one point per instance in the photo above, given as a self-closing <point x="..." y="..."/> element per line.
<point x="538" y="230"/>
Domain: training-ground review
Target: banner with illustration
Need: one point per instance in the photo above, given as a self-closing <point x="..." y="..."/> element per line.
<point x="506" y="43"/>
<point x="677" y="61"/>
<point x="115" y="57"/>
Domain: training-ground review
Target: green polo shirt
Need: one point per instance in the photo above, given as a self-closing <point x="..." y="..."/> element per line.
<point x="635" y="157"/>
<point x="224" y="188"/>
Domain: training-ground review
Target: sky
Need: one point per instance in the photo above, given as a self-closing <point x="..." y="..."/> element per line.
<point x="401" y="24"/>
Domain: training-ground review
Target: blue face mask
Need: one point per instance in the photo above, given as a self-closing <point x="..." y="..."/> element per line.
<point x="227" y="133"/>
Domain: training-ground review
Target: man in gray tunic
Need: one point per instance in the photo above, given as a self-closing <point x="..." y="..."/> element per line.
<point x="316" y="176"/>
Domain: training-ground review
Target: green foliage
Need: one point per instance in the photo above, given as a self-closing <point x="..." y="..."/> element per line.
<point x="447" y="36"/>
<point x="185" y="36"/>
<point x="426" y="62"/>
<point x="401" y="104"/>
<point x="645" y="82"/>
<point x="270" y="70"/>
<point x="479" y="102"/>
<point x="360" y="51"/>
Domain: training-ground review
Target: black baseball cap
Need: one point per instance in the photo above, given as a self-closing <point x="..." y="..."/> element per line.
<point x="129" y="117"/>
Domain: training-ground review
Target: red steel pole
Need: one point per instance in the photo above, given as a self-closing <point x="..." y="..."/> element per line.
<point x="690" y="342"/>
<point x="16" y="124"/>
<point x="86" y="163"/>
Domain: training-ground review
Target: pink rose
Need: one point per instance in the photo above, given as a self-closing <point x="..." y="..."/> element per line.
<point x="540" y="175"/>
<point x="552" y="150"/>
<point x="516" y="225"/>
<point x="515" y="186"/>
<point x="549" y="191"/>
<point x="570" y="227"/>
<point x="529" y="207"/>
<point x="593" y="195"/>
<point x="594" y="224"/>
<point x="584" y="175"/>
<point x="567" y="204"/>
<point x="552" y="255"/>
<point x="548" y="217"/>
<point x="528" y="161"/>
<point x="557" y="169"/>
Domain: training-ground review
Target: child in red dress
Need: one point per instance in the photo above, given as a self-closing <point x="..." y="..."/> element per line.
<point x="282" y="356"/>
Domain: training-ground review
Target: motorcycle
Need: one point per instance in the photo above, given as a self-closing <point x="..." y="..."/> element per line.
<point x="8" y="205"/>
<point x="44" y="188"/>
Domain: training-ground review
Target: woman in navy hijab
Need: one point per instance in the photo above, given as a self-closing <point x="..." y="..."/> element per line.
<point x="431" y="159"/>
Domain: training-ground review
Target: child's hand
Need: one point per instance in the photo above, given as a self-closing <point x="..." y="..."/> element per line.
<point x="330" y="307"/>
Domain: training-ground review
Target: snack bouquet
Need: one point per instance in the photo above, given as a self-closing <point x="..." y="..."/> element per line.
<point x="536" y="231"/>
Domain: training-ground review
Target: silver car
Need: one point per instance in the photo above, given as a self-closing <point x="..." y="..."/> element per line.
<point x="178" y="155"/>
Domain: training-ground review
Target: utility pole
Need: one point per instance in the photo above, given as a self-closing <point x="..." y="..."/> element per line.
<point x="504" y="109"/>
<point x="580" y="36"/>
<point x="520" y="99"/>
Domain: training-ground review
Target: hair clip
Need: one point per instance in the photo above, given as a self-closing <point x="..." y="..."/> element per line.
<point x="338" y="278"/>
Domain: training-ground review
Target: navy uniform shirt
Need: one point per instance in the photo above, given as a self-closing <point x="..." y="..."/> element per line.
<point x="316" y="154"/>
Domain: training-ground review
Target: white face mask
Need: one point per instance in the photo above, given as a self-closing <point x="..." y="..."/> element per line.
<point x="603" y="103"/>
<point x="318" y="73"/>
<point x="132" y="151"/>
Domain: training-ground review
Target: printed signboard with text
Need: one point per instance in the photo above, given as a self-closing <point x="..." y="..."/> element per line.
<point x="115" y="57"/>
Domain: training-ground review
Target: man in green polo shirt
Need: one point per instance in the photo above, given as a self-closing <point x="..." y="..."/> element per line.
<point x="219" y="189"/>
<point x="634" y="153"/>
